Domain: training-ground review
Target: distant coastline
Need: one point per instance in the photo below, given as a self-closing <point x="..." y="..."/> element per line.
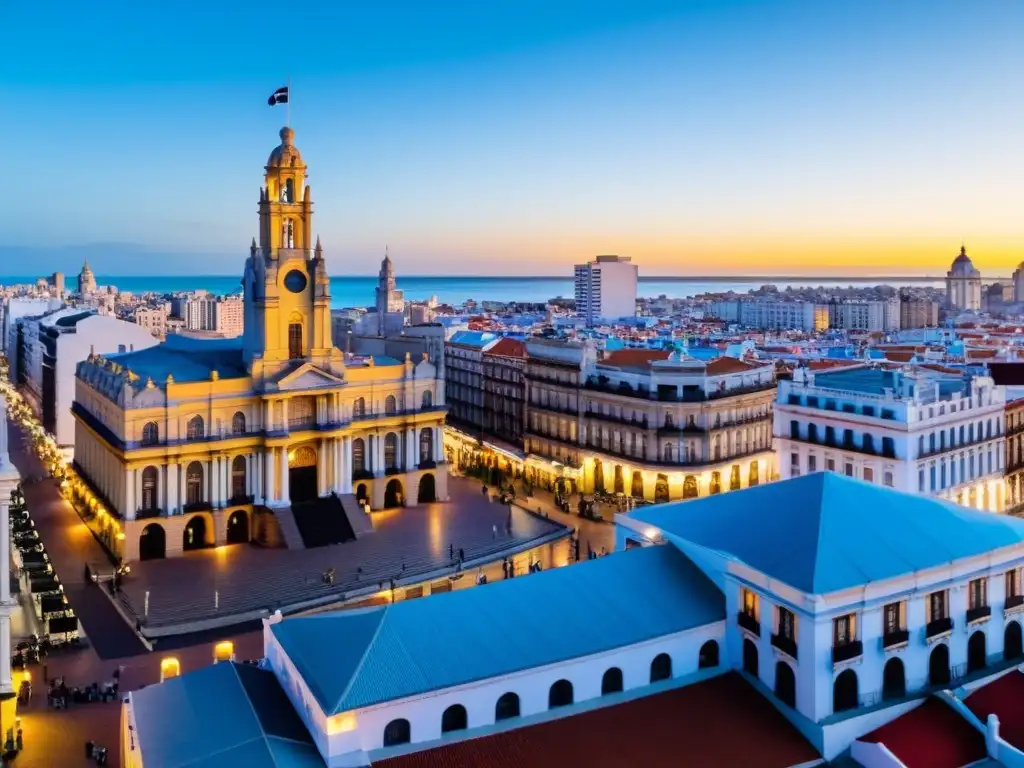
<point x="357" y="291"/>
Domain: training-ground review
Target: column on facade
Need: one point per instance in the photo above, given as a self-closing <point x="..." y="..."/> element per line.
<point x="336" y="452"/>
<point x="284" y="423"/>
<point x="378" y="443"/>
<point x="346" y="465"/>
<point x="321" y="460"/>
<point x="438" y="445"/>
<point x="267" y="490"/>
<point x="285" y="493"/>
<point x="410" y="455"/>
<point x="129" y="481"/>
<point x="172" y="488"/>
<point x="268" y="415"/>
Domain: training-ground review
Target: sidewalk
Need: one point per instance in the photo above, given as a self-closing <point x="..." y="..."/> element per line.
<point x="597" y="534"/>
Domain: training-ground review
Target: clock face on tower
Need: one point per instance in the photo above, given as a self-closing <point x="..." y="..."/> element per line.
<point x="295" y="281"/>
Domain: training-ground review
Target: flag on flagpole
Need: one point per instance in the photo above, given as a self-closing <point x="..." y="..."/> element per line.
<point x="280" y="96"/>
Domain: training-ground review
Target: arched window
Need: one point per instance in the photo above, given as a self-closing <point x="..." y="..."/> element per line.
<point x="785" y="684"/>
<point x="845" y="691"/>
<point x="359" y="455"/>
<point x="716" y="483"/>
<point x="426" y="444"/>
<point x="194" y="483"/>
<point x="894" y="680"/>
<point x="507" y="706"/>
<point x="288" y="234"/>
<point x="560" y="694"/>
<point x="611" y="682"/>
<point x="359" y="408"/>
<point x="238" y="423"/>
<point x="454" y="719"/>
<point x="390" y="451"/>
<point x="690" y="487"/>
<point x="295" y="341"/>
<point x="238" y="477"/>
<point x="150" y="433"/>
<point x="195" y="429"/>
<point x="938" y="665"/>
<point x="288" y="191"/>
<point x="976" y="655"/>
<point x="397" y="732"/>
<point x="150" y="486"/>
<point x="754" y="477"/>
<point x="390" y="405"/>
<point x="661" y="667"/>
<point x="708" y="656"/>
<point x="428" y="399"/>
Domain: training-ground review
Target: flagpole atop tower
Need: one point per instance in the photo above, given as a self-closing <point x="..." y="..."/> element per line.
<point x="288" y="104"/>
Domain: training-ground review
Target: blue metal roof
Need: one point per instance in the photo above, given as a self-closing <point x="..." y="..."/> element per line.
<point x="223" y="715"/>
<point x="825" y="532"/>
<point x="186" y="359"/>
<point x="353" y="659"/>
<point x="473" y="338"/>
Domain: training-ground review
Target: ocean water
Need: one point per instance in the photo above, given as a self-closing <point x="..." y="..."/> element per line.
<point x="358" y="291"/>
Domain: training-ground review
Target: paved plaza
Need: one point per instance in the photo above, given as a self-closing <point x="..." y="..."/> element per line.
<point x="419" y="535"/>
<point x="409" y="545"/>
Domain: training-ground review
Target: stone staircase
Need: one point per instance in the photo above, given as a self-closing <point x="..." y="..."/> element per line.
<point x="322" y="522"/>
<point x="289" y="528"/>
<point x="357" y="517"/>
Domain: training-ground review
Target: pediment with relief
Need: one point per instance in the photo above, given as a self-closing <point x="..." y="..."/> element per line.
<point x="308" y="376"/>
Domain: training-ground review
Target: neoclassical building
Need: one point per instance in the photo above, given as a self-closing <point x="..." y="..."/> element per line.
<point x="197" y="442"/>
<point x="652" y="424"/>
<point x="963" y="284"/>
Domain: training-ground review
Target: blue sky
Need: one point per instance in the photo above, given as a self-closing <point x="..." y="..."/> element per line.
<point x="519" y="138"/>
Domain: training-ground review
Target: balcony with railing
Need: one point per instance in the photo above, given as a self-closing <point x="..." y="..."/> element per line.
<point x="978" y="613"/>
<point x="785" y="644"/>
<point x="895" y="639"/>
<point x="847" y="651"/>
<point x="938" y="627"/>
<point x="749" y="623"/>
<point x="1012" y="603"/>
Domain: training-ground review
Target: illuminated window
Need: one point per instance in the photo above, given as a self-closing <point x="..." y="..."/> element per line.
<point x="295" y="341"/>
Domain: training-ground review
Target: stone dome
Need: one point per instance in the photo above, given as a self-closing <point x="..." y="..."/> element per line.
<point x="286" y="155"/>
<point x="962" y="265"/>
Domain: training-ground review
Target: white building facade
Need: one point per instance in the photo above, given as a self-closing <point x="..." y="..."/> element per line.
<point x="606" y="289"/>
<point x="963" y="284"/>
<point x="921" y="432"/>
<point x="54" y="346"/>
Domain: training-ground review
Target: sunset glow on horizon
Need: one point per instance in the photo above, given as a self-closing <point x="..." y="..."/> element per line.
<point x="705" y="138"/>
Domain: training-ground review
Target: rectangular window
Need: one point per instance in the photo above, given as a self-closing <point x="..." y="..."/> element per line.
<point x="961" y="434"/>
<point x="869" y="475"/>
<point x="848" y="469"/>
<point x="794" y="430"/>
<point x="830" y="465"/>
<point x="787" y="624"/>
<point x="888" y="447"/>
<point x="750" y="604"/>
<point x="891" y="619"/>
<point x="920" y="480"/>
<point x="812" y="463"/>
<point x="868" y="410"/>
<point x="942" y="475"/>
<point x="931" y="473"/>
<point x="844" y="629"/>
<point x="977" y="593"/>
<point x="937" y="606"/>
<point x="1013" y="583"/>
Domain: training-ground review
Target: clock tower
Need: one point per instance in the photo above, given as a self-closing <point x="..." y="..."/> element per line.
<point x="287" y="290"/>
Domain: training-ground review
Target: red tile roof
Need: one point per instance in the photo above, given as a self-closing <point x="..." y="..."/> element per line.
<point x="635" y="358"/>
<point x="1003" y="698"/>
<point x="723" y="365"/>
<point x="931" y="736"/>
<point x="717" y="723"/>
<point x="507" y="347"/>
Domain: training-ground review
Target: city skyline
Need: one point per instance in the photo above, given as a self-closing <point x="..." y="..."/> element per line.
<point x="726" y="138"/>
